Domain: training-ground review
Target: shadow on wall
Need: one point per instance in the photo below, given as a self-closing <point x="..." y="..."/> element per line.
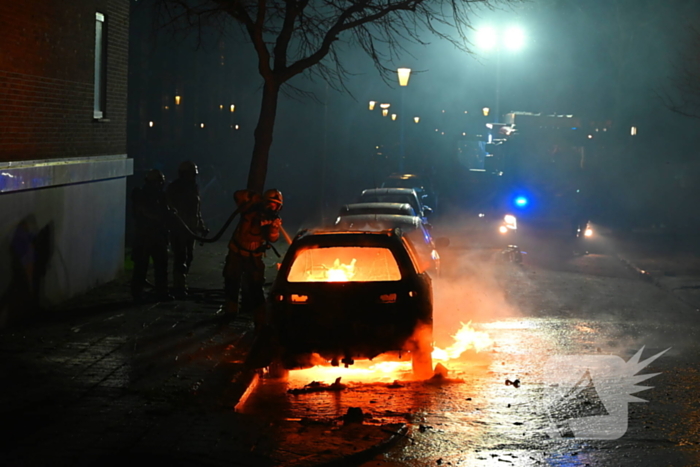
<point x="30" y="251"/>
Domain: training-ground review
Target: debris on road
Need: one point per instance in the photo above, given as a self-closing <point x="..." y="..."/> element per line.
<point x="515" y="383"/>
<point x="353" y="415"/>
<point x="317" y="386"/>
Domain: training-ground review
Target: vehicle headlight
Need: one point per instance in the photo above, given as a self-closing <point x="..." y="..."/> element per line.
<point x="588" y="232"/>
<point x="503" y="229"/>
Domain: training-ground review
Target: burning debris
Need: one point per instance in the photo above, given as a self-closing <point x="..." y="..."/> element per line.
<point x="317" y="386"/>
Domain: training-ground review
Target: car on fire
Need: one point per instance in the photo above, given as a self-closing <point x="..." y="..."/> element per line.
<point x="347" y="295"/>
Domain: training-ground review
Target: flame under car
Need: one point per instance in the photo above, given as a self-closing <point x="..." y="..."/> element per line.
<point x="352" y="295"/>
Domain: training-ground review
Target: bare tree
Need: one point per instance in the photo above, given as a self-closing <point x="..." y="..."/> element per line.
<point x="291" y="37"/>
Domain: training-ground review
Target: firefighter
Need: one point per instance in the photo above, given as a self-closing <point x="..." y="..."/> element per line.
<point x="151" y="216"/>
<point x="244" y="270"/>
<point x="183" y="197"/>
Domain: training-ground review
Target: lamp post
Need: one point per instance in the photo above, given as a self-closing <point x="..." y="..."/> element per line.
<point x="404" y="75"/>
<point x="489" y="39"/>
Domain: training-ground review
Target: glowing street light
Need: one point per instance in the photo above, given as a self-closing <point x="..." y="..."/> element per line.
<point x="393" y="116"/>
<point x="485" y="111"/>
<point x="385" y="112"/>
<point x="404" y="75"/>
<point x="416" y="119"/>
<point x="372" y="104"/>
<point x="232" y="108"/>
<point x="177" y="100"/>
<point x="384" y="106"/>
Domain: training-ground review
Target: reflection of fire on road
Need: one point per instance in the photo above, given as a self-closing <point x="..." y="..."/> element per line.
<point x="386" y="369"/>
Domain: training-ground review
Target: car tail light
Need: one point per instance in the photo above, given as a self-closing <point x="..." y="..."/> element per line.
<point x="388" y="298"/>
<point x="298" y="298"/>
<point x="279" y="298"/>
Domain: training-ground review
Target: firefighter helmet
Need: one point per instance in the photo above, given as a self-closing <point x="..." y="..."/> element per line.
<point x="187" y="168"/>
<point x="155" y="176"/>
<point x="274" y="198"/>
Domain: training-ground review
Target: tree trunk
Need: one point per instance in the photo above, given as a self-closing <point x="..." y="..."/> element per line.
<point x="263" y="137"/>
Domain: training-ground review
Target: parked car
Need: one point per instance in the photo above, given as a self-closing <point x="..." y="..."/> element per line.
<point x="421" y="185"/>
<point x="346" y="295"/>
<point x="360" y="209"/>
<point x="411" y="225"/>
<point x="397" y="195"/>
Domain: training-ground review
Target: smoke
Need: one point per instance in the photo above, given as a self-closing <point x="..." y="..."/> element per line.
<point x="470" y="289"/>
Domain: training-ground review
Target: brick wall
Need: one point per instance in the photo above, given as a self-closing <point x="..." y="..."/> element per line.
<point x="46" y="79"/>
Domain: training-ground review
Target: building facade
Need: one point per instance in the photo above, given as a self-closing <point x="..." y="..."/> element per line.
<point x="63" y="161"/>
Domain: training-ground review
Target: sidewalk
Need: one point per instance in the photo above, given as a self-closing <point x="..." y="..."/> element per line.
<point x="103" y="381"/>
<point x="671" y="261"/>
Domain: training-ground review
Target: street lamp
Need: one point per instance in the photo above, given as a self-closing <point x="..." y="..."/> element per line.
<point x="372" y="104"/>
<point x="513" y="39"/>
<point x="404" y="75"/>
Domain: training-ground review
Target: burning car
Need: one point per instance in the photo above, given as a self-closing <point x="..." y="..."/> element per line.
<point x="346" y="295"/>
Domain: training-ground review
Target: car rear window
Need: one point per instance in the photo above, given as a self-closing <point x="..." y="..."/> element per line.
<point x="345" y="264"/>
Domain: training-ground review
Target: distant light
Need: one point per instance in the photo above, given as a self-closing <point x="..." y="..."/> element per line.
<point x="384" y="106"/>
<point x="436" y="129"/>
<point x="416" y="119"/>
<point x="177" y="100"/>
<point x="521" y="201"/>
<point x="588" y="233"/>
<point x="633" y="131"/>
<point x="481" y="214"/>
<point x="464" y="133"/>
<point x="201" y="125"/>
<point x="466" y="112"/>
<point x="150" y="124"/>
<point x="232" y="108"/>
<point x="237" y="127"/>
<point x="385" y="112"/>
<point x="443" y="111"/>
<point x="404" y="75"/>
<point x="485" y="111"/>
<point x="514" y="38"/>
<point x="574" y="128"/>
<point x="590" y="136"/>
<point x="372" y="104"/>
<point x="503" y="229"/>
<point x="221" y="106"/>
<point x="486" y="38"/>
<point x="393" y="116"/>
<point x="166" y="107"/>
<point x="442" y="133"/>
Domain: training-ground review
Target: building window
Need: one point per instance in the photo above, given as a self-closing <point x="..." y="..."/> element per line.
<point x="100" y="69"/>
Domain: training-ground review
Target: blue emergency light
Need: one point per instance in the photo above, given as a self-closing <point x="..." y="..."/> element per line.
<point x="521" y="201"/>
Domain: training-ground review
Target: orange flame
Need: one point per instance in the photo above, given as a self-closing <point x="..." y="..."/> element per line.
<point x="341" y="272"/>
<point x="466" y="338"/>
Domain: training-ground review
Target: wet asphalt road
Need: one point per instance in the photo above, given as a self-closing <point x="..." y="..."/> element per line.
<point x="554" y="304"/>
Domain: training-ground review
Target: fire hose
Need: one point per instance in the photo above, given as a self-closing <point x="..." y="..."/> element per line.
<point x="221" y="231"/>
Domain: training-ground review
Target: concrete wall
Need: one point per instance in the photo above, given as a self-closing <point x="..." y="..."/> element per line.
<point x="79" y="205"/>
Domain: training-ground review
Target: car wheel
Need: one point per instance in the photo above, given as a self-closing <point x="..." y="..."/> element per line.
<point x="277" y="369"/>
